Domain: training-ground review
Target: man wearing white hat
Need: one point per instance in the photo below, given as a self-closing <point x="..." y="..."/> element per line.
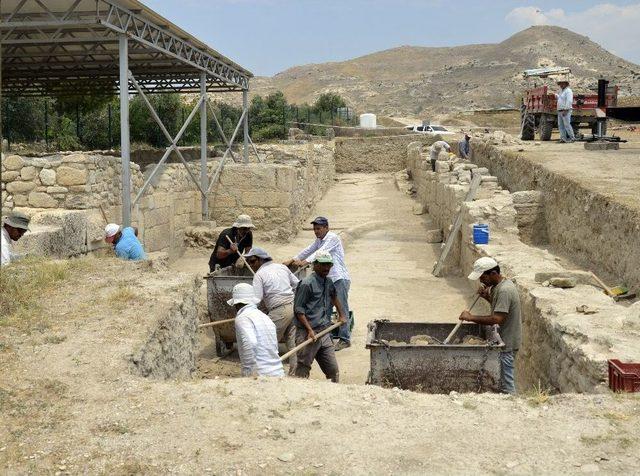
<point x="503" y="296"/>
<point x="275" y="284"/>
<point x="125" y="242"/>
<point x="434" y="152"/>
<point x="255" y="335"/>
<point x="231" y="242"/>
<point x="14" y="226"/>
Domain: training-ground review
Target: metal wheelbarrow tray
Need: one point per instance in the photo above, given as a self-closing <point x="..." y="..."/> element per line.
<point x="220" y="285"/>
<point x="434" y="368"/>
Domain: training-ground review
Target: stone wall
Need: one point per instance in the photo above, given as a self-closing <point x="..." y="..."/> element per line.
<point x="573" y="215"/>
<point x="562" y="349"/>
<point x="66" y="192"/>
<point x="375" y="154"/>
<point x="279" y="194"/>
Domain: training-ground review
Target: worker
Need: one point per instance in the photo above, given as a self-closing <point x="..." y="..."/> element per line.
<point x="502" y="294"/>
<point x="125" y="242"/>
<point x="226" y="252"/>
<point x="314" y="299"/>
<point x="435" y="150"/>
<point x="274" y="284"/>
<point x="330" y="242"/>
<point x="565" y="105"/>
<point x="255" y="335"/>
<point x="464" y="148"/>
<point x="14" y="226"/>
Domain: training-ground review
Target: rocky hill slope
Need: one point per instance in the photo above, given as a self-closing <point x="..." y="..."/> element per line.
<point x="415" y="80"/>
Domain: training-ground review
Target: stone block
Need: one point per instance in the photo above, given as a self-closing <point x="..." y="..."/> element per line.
<point x="79" y="201"/>
<point x="28" y="173"/>
<point x="266" y="199"/>
<point x="71" y="176"/>
<point x="601" y="145"/>
<point x="74" y="158"/>
<point x="79" y="188"/>
<point x="20" y="200"/>
<point x="20" y="187"/>
<point x="9" y="176"/>
<point x="13" y="162"/>
<point x="42" y="200"/>
<point x="286" y="179"/>
<point x="526" y="196"/>
<point x="48" y="177"/>
<point x="442" y="166"/>
<point x="223" y="201"/>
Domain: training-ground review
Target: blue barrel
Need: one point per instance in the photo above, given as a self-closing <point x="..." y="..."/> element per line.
<point x="480" y="234"/>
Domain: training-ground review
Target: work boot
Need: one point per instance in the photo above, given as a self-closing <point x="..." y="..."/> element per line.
<point x="341" y="345"/>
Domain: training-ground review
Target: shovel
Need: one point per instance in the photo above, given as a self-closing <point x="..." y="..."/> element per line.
<point x="455" y="329"/>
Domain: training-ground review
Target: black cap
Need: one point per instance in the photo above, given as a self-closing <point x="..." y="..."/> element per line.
<point x="322" y="221"/>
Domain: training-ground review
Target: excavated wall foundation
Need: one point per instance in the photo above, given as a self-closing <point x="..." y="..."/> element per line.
<point x="562" y="349"/>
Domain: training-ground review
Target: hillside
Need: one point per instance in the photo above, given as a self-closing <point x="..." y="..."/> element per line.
<point x="414" y="80"/>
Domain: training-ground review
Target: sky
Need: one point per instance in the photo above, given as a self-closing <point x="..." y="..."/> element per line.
<point x="269" y="36"/>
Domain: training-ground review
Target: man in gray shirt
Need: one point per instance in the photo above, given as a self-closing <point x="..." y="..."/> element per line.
<point x="314" y="301"/>
<point x="503" y="296"/>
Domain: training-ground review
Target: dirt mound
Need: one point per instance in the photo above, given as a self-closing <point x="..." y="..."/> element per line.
<point x="417" y="80"/>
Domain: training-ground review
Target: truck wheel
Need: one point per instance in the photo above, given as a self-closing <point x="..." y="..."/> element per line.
<point x="546" y="128"/>
<point x="529" y="128"/>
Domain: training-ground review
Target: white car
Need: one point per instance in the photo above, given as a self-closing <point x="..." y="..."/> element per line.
<point x="430" y="129"/>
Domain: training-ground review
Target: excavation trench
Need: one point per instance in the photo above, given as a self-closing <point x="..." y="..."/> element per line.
<point x="386" y="232"/>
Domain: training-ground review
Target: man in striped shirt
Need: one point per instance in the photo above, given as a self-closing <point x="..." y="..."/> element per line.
<point x="330" y="242"/>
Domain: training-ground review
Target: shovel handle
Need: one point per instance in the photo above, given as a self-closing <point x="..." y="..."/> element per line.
<point x="216" y="323"/>
<point x="455" y="329"/>
<point x="309" y="341"/>
<point x="241" y="256"/>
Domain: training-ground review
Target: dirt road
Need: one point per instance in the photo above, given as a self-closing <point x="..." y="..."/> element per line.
<point x="388" y="259"/>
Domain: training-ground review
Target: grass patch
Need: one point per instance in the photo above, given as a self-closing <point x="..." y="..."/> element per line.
<point x="538" y="395"/>
<point x="122" y="297"/>
<point x="23" y="283"/>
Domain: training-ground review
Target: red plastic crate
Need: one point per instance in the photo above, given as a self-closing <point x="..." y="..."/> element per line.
<point x="624" y="377"/>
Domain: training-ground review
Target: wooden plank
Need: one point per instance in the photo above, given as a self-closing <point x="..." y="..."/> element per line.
<point x="471" y="194"/>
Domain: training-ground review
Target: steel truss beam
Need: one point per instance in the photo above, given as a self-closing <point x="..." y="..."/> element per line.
<point x="73" y="40"/>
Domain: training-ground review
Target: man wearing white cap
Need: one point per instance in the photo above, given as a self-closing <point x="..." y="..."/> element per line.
<point x="14" y="226"/>
<point x="503" y="296"/>
<point x="231" y="242"/>
<point x="255" y="335"/>
<point x="275" y="284"/>
<point x="564" y="100"/>
<point x="125" y="242"/>
<point x="434" y="152"/>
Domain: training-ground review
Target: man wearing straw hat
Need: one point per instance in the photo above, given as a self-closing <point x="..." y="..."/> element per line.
<point x="315" y="298"/>
<point x="231" y="242"/>
<point x="255" y="334"/>
<point x="15" y="225"/>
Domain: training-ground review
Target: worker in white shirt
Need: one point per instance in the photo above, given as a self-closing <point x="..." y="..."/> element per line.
<point x="330" y="242"/>
<point x="274" y="284"/>
<point x="14" y="226"/>
<point x="434" y="152"/>
<point x="565" y="107"/>
<point x="255" y="335"/>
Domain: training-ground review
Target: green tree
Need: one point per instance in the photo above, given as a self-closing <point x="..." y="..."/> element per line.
<point x="329" y="102"/>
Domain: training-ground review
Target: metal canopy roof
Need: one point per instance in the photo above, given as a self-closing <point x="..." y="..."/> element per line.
<point x="62" y="47"/>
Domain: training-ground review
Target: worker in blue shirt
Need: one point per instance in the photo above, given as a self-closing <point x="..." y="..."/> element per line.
<point x="125" y="242"/>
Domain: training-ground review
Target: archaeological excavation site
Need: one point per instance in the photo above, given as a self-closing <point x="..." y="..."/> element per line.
<point x="326" y="292"/>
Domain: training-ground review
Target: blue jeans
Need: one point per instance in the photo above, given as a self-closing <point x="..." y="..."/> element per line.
<point x="342" y="293"/>
<point x="507" y="372"/>
<point x="564" y="124"/>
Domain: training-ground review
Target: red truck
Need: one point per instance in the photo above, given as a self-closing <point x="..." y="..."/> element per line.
<point x="539" y="111"/>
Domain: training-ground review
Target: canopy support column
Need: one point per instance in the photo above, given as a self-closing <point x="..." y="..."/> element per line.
<point x="125" y="143"/>
<point x="204" y="176"/>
